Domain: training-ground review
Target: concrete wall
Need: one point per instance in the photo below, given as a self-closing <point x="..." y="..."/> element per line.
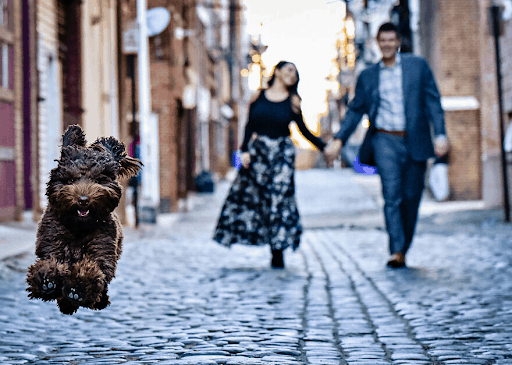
<point x="99" y="68"/>
<point x="50" y="91"/>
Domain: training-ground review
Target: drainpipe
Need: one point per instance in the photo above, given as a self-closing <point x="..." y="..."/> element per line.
<point x="150" y="177"/>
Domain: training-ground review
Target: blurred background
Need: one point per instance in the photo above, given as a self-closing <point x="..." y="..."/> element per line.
<point x="172" y="80"/>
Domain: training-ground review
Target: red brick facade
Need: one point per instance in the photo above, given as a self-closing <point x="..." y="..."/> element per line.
<point x="167" y="82"/>
<point x="450" y="41"/>
<point x="188" y="55"/>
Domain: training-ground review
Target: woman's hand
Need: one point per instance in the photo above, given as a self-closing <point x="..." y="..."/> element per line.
<point x="246" y="159"/>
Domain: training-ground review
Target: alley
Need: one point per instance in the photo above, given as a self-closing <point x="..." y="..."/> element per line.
<point x="179" y="298"/>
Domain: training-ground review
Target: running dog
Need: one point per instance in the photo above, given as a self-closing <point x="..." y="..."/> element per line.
<point x="79" y="237"/>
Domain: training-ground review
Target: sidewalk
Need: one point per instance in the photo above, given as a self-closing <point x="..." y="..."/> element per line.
<point x="327" y="198"/>
<point x="17" y="237"/>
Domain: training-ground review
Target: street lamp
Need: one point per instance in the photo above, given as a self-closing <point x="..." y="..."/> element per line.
<point x="255" y="53"/>
<point x="254" y="58"/>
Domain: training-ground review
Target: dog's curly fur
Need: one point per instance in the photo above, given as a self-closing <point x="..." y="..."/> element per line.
<point x="79" y="238"/>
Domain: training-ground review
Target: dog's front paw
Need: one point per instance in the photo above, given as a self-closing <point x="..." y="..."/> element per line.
<point x="44" y="279"/>
<point x="74" y="295"/>
<point x="85" y="284"/>
<point x="49" y="287"/>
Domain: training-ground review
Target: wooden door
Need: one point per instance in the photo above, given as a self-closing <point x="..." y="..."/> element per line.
<point x="11" y="136"/>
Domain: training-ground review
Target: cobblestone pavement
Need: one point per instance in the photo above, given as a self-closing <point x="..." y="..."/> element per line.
<point x="179" y="298"/>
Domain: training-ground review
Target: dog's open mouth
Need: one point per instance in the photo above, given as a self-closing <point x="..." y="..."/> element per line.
<point x="83" y="213"/>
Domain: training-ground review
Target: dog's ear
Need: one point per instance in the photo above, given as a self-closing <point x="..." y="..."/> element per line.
<point x="74" y="135"/>
<point x="128" y="166"/>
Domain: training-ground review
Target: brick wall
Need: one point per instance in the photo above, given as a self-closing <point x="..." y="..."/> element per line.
<point x="465" y="172"/>
<point x="459" y="50"/>
<point x="451" y="44"/>
<point x="167" y="81"/>
<point x="165" y="105"/>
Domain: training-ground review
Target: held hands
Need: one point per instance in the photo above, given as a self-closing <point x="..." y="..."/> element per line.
<point x="332" y="150"/>
<point x="246" y="159"/>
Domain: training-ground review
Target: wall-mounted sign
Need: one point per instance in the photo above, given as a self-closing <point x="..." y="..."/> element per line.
<point x="131" y="39"/>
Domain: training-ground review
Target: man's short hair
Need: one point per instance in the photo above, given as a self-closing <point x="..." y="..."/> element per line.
<point x="388" y="27"/>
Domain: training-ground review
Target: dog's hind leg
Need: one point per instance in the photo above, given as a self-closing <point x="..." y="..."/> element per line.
<point x="103" y="302"/>
<point x="44" y="279"/>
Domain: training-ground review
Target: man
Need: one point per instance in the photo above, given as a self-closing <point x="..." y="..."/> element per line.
<point x="401" y="99"/>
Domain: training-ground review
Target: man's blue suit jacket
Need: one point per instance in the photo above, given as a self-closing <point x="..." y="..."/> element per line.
<point x="422" y="108"/>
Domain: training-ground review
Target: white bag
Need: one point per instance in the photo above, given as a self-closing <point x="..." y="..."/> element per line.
<point x="438" y="181"/>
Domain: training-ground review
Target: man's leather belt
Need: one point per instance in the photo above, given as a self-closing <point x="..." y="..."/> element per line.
<point x="394" y="133"/>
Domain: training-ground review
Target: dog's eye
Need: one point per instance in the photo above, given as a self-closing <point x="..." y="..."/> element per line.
<point x="70" y="180"/>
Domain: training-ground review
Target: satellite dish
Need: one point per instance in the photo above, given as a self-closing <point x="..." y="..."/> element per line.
<point x="157" y="20"/>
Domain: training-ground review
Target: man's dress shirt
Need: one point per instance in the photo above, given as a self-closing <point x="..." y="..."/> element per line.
<point x="391" y="114"/>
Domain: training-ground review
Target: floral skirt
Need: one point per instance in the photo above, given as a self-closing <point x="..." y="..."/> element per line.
<point x="260" y="208"/>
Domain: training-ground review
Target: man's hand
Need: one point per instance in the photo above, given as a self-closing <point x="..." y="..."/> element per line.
<point x="332" y="150"/>
<point x="441" y="146"/>
<point x="246" y="159"/>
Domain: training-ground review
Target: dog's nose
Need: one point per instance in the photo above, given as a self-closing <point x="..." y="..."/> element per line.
<point x="83" y="201"/>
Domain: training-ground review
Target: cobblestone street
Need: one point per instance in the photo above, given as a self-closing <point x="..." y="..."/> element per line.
<point x="180" y="298"/>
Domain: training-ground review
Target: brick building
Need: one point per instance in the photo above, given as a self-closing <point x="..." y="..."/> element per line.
<point x="219" y="56"/>
<point x="14" y="130"/>
<point x="194" y="75"/>
<point x="60" y="67"/>
<point x="447" y="40"/>
<point x="455" y="38"/>
<point x="167" y="84"/>
<point x="78" y="83"/>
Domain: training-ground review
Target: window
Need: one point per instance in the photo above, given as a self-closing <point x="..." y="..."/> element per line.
<point x="4" y="13"/>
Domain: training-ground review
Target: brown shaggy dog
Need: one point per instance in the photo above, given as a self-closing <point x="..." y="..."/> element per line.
<point x="79" y="236"/>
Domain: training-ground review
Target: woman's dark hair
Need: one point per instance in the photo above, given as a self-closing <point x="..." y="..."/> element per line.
<point x="388" y="27"/>
<point x="292" y="89"/>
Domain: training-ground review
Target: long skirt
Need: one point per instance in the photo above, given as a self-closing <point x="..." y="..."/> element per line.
<point x="260" y="208"/>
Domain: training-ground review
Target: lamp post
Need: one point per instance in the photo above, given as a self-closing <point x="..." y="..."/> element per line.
<point x="495" y="13"/>
<point x="256" y="51"/>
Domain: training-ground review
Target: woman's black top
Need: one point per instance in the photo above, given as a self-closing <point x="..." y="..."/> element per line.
<point x="272" y="119"/>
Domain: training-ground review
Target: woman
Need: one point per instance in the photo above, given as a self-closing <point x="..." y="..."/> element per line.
<point x="260" y="208"/>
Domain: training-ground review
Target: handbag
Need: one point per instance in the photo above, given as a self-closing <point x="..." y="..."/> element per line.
<point x="438" y="179"/>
